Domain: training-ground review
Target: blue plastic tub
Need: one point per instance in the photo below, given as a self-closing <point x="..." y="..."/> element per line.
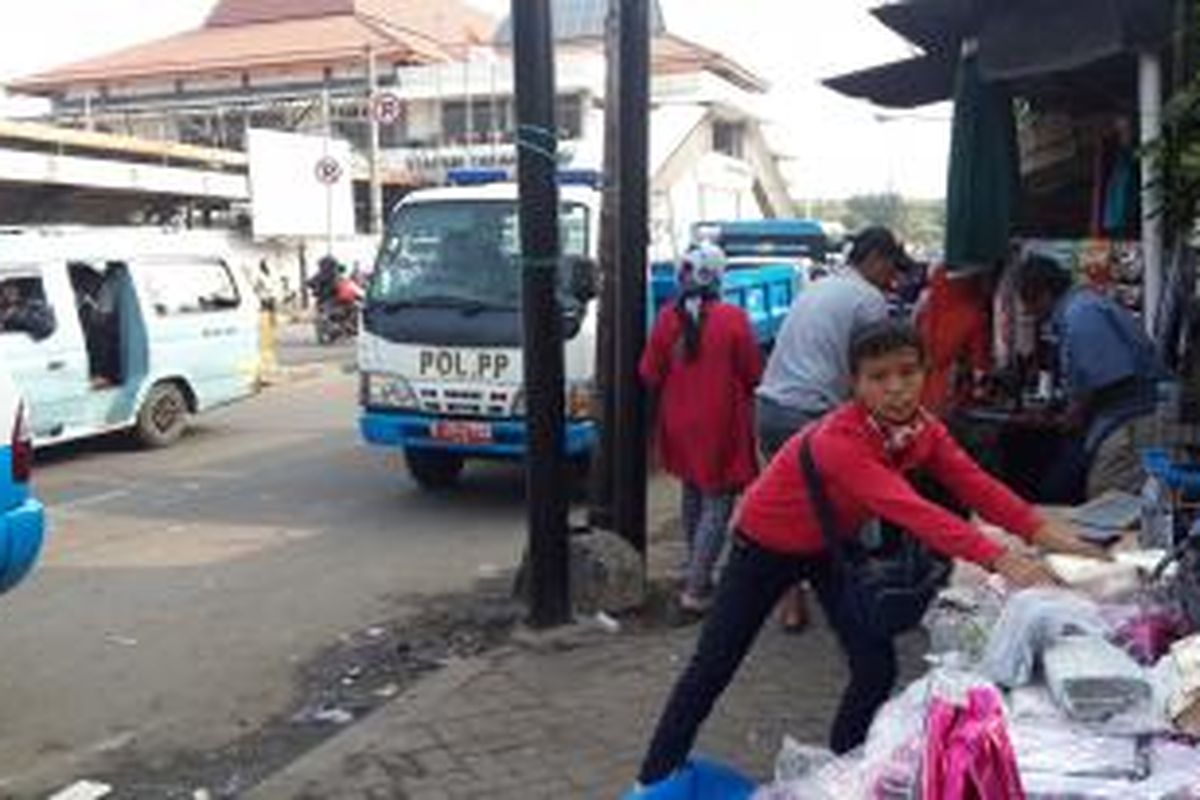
<point x="701" y="779"/>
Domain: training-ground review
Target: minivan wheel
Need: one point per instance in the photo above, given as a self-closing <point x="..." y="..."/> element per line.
<point x="433" y="470"/>
<point x="163" y="417"/>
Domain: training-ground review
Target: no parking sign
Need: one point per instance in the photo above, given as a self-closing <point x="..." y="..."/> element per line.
<point x="386" y="108"/>
<point x="328" y="170"/>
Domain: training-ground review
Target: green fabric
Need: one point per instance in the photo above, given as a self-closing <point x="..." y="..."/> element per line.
<point x="983" y="171"/>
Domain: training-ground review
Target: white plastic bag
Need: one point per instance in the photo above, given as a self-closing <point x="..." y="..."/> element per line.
<point x="796" y="761"/>
<point x="1030" y="622"/>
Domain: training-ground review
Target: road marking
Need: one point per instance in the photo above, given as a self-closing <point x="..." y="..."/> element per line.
<point x="91" y="500"/>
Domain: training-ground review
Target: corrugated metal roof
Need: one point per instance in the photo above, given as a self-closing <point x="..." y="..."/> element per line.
<point x="580" y="19"/>
<point x="245" y="12"/>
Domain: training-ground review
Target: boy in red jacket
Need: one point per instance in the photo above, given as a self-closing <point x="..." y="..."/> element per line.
<point x="862" y="452"/>
<point x="704" y="363"/>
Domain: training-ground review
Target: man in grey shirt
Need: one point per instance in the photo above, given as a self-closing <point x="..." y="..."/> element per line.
<point x="808" y="373"/>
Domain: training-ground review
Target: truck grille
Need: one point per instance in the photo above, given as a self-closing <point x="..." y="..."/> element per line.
<point x="466" y="401"/>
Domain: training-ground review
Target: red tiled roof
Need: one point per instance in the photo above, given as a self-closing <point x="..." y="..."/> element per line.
<point x="246" y="34"/>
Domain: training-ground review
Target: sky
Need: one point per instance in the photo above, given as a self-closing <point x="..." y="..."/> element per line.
<point x="834" y="146"/>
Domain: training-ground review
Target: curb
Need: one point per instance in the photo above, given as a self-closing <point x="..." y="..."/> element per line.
<point x="303" y="776"/>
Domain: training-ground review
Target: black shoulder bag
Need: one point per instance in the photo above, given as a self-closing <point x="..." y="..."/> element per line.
<point x="885" y="595"/>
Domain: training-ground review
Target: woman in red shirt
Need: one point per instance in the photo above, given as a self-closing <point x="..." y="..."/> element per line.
<point x="862" y="452"/>
<point x="955" y="327"/>
<point x="704" y="363"/>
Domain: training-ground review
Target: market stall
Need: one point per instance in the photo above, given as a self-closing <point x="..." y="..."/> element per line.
<point x="1055" y="106"/>
<point x="1087" y="691"/>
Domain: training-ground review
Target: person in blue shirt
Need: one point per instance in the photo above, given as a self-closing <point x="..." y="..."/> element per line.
<point x="1107" y="367"/>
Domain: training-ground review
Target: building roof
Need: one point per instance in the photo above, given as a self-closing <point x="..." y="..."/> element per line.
<point x="246" y="34"/>
<point x="672" y="54"/>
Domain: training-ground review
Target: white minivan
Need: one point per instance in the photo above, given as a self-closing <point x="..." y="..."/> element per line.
<point x="124" y="329"/>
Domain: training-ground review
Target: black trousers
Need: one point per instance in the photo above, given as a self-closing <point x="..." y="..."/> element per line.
<point x="752" y="583"/>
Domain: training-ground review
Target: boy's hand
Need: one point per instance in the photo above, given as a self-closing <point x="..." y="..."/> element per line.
<point x="1058" y="537"/>
<point x="1024" y="571"/>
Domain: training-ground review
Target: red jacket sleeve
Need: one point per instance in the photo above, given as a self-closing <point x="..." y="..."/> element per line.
<point x="980" y="344"/>
<point x="850" y="464"/>
<point x="656" y="359"/>
<point x="748" y="356"/>
<point x="972" y="486"/>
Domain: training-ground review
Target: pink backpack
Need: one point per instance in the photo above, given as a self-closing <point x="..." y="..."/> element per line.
<point x="968" y="755"/>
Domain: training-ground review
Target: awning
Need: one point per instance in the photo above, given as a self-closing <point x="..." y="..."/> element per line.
<point x="903" y="84"/>
<point x="1027" y="38"/>
<point x="932" y="25"/>
<point x="1017" y="39"/>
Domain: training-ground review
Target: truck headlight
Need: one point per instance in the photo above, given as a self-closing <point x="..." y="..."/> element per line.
<point x="387" y="391"/>
<point x="580" y="401"/>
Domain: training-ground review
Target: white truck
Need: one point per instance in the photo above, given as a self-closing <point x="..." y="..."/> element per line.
<point x="440" y="345"/>
<point x="439" y="354"/>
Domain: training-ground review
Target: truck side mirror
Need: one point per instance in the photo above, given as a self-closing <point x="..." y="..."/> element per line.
<point x="583" y="277"/>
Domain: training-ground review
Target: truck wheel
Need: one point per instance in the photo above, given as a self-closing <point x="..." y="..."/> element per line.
<point x="432" y="470"/>
<point x="163" y="417"/>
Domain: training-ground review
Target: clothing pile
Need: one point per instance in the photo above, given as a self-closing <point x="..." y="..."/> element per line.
<point x="1086" y="693"/>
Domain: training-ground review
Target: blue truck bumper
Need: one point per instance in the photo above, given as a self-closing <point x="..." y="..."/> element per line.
<point x="21" y="533"/>
<point x="412" y="431"/>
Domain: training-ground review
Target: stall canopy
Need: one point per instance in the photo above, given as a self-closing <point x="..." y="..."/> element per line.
<point x="1016" y="39"/>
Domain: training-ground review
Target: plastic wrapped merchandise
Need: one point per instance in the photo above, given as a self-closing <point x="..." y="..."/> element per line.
<point x="1030" y="622"/>
<point x="1093" y="680"/>
<point x="1054" y="745"/>
<point x="961" y="619"/>
<point x="840" y="779"/>
<point x="1174" y="775"/>
<point x="1100" y="580"/>
<point x="1148" y="629"/>
<point x="967" y="751"/>
<point x="797" y="761"/>
<point x="1158" y="515"/>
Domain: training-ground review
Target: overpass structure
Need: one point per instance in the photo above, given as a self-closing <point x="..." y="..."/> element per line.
<point x="54" y="174"/>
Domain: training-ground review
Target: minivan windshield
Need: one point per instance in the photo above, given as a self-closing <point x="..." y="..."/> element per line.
<point x="463" y="254"/>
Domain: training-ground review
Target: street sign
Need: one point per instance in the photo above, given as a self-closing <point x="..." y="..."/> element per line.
<point x="386" y="108"/>
<point x="328" y="170"/>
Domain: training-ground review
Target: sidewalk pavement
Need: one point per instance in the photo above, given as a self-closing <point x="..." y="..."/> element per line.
<point x="568" y="715"/>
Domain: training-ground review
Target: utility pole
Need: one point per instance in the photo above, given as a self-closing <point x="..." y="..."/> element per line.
<point x="629" y="496"/>
<point x="537" y="167"/>
<point x="603" y="468"/>
<point x="375" y="225"/>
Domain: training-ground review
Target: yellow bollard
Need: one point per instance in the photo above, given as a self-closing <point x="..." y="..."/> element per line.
<point x="268" y="357"/>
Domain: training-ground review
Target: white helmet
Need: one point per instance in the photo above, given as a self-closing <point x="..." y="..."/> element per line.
<point x="702" y="267"/>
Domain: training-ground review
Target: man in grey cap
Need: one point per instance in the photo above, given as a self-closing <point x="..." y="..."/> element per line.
<point x="808" y="374"/>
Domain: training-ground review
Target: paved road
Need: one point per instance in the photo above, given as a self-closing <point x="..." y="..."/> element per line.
<point x="180" y="588"/>
<point x="298" y="346"/>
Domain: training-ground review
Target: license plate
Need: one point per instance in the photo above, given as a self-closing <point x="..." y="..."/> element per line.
<point x="454" y="432"/>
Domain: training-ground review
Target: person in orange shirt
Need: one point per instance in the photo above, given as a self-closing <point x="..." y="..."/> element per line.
<point x="955" y="325"/>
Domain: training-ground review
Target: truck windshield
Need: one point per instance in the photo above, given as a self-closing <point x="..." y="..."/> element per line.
<point x="462" y="253"/>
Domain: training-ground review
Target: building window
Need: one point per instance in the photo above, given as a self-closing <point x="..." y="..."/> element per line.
<point x="489" y="118"/>
<point x="569" y="115"/>
<point x="729" y="138"/>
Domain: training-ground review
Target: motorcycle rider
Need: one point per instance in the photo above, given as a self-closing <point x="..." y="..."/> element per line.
<point x="337" y="298"/>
